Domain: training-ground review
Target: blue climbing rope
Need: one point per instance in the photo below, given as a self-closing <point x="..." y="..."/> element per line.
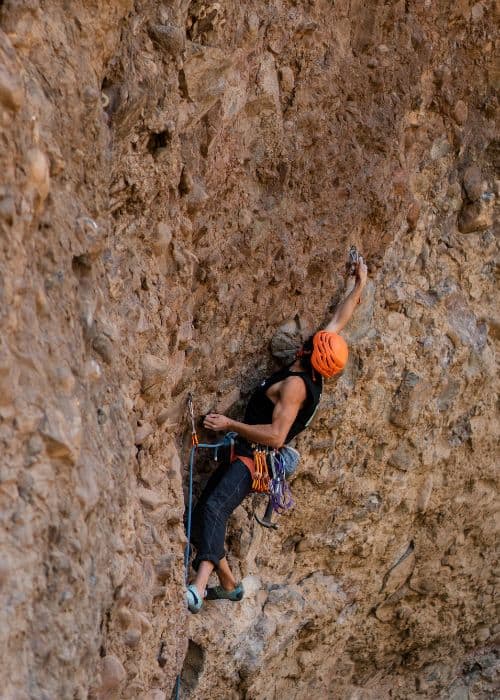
<point x="192" y="456"/>
<point x="195" y="446"/>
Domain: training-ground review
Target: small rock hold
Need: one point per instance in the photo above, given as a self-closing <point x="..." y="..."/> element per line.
<point x="154" y="371"/>
<point x="132" y="637"/>
<point x="150" y="499"/>
<point x="112" y="672"/>
<point x="142" y="432"/>
<point x="460" y="112"/>
<point x="477" y="216"/>
<point x="103" y="346"/>
<point x="38" y="172"/>
<point x="145" y="624"/>
<point x="482" y="634"/>
<point x="162" y="239"/>
<point x="413" y="215"/>
<point x="11" y="92"/>
<point x="64" y="379"/>
<point x="4" y="571"/>
<point x="91" y="96"/>
<point x="35" y="445"/>
<point x="186" y="182"/>
<point x="404" y="458"/>
<point x="164" y="568"/>
<point x="253" y="23"/>
<point x="408" y="401"/>
<point x="197" y="197"/>
<point x="473" y="183"/>
<point x="424" y="495"/>
<point x="93" y="370"/>
<point x="7" y="209"/>
<point x="287" y="79"/>
<point x="124" y="616"/>
<point x="172" y="38"/>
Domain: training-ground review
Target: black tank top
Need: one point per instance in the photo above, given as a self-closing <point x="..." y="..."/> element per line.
<point x="260" y="408"/>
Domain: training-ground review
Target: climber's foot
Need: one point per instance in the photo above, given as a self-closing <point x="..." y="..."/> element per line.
<point x="193" y="599"/>
<point x="220" y="593"/>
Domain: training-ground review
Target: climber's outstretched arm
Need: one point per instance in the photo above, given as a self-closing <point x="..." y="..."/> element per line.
<point x="345" y="309"/>
<point x="292" y="396"/>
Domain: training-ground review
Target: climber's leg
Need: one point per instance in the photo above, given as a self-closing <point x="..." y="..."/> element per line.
<point x="226" y="578"/>
<point x="211" y="519"/>
<point x="202" y="575"/>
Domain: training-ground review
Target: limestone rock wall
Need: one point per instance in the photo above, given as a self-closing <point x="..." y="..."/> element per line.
<point x="179" y="179"/>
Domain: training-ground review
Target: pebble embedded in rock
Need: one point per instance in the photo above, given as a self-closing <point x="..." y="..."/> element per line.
<point x="93" y="371"/>
<point x="104" y="347"/>
<point x="169" y="36"/>
<point x="164" y="568"/>
<point x="161" y="241"/>
<point x="473" y="183"/>
<point x="124" y="616"/>
<point x="5" y="569"/>
<point x="11" y="91"/>
<point x="38" y="172"/>
<point x="460" y="112"/>
<point x="132" y="637"/>
<point x="112" y="672"/>
<point x="474" y="217"/>
<point x="404" y="458"/>
<point x="142" y="432"/>
<point x="287" y="79"/>
<point x="154" y="371"/>
<point x="413" y="215"/>
<point x="150" y="499"/>
<point x="424" y="494"/>
<point x="7" y="209"/>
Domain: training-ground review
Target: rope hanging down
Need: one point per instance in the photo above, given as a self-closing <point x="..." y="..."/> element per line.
<point x="195" y="445"/>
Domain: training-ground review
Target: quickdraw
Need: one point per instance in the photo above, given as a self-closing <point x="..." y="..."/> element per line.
<point x="273" y="483"/>
<point x="279" y="491"/>
<point x="260" y="483"/>
<point x="280" y="496"/>
<point x="353" y="258"/>
<point x="352" y="261"/>
<point x="194" y="436"/>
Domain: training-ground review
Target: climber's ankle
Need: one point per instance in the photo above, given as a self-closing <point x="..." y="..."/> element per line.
<point x="225" y="575"/>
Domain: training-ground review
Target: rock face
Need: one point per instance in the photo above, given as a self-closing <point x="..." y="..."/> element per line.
<point x="179" y="180"/>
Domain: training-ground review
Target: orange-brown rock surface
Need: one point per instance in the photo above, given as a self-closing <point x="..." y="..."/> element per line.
<point x="178" y="181"/>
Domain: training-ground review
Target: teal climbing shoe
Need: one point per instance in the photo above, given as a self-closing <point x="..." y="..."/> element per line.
<point x="219" y="593"/>
<point x="193" y="599"/>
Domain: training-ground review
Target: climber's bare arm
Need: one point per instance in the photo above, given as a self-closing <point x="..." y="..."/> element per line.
<point x="345" y="309"/>
<point x="291" y="397"/>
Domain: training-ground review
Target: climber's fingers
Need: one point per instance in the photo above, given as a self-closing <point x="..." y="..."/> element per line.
<point x="361" y="270"/>
<point x="215" y="421"/>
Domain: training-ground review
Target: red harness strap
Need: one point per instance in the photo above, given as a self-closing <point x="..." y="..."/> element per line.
<point x="258" y="471"/>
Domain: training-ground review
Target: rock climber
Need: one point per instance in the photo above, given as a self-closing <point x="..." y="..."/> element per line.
<point x="280" y="408"/>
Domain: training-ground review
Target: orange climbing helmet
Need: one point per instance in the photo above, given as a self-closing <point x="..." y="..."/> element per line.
<point x="329" y="355"/>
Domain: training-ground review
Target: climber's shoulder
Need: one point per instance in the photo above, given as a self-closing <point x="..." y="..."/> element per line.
<point x="292" y="388"/>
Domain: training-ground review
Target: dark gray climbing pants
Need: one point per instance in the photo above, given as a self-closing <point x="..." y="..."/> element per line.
<point x="224" y="492"/>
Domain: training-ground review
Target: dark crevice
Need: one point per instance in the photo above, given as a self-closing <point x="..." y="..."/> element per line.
<point x="192" y="668"/>
<point x="157" y="141"/>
